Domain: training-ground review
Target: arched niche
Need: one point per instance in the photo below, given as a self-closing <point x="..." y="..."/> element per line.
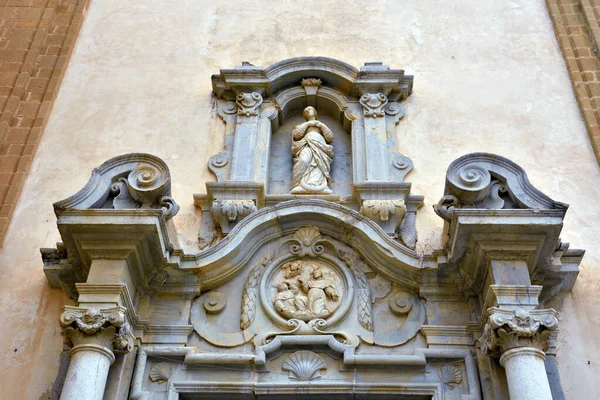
<point x="334" y="110"/>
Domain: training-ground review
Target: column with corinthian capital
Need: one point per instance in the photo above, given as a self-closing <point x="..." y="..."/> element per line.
<point x="520" y="338"/>
<point x="96" y="334"/>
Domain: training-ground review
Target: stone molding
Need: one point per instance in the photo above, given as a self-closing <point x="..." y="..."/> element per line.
<point x="104" y="327"/>
<point x="34" y="62"/>
<point x="506" y="330"/>
<point x="373" y="77"/>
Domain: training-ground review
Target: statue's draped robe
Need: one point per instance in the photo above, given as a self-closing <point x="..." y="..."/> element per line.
<point x="312" y="156"/>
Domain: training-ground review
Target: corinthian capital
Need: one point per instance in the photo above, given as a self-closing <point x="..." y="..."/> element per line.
<point x="107" y="327"/>
<point x="507" y="329"/>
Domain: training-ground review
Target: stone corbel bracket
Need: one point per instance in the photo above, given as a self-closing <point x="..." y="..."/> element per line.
<point x="224" y="206"/>
<point x="492" y="211"/>
<point x="392" y="207"/>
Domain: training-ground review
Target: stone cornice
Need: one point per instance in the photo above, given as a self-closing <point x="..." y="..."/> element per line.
<point x="373" y="77"/>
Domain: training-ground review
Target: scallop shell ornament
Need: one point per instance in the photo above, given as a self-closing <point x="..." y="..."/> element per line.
<point x="451" y="376"/>
<point x="160" y="372"/>
<point x="304" y="366"/>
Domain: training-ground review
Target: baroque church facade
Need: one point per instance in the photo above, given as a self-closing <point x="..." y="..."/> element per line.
<point x="314" y="228"/>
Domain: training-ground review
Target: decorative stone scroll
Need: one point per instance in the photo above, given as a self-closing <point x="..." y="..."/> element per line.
<point x="489" y="181"/>
<point x="130" y="181"/>
<point x="248" y="104"/>
<point x="507" y="330"/>
<point x="107" y="326"/>
<point x="374" y="104"/>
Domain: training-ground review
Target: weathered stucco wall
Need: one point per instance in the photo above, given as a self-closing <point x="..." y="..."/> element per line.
<point x="489" y="76"/>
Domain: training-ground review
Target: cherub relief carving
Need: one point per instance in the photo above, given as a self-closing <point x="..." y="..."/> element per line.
<point x="312" y="155"/>
<point x="306" y="291"/>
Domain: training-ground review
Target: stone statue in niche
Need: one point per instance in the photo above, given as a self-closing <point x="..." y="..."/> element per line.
<point x="312" y="154"/>
<point x="306" y="290"/>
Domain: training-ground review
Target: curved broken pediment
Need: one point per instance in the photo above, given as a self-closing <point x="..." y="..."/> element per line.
<point x="129" y="181"/>
<point x="393" y="259"/>
<point x="489" y="181"/>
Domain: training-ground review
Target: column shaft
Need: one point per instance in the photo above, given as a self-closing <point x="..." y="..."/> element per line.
<point x="526" y="374"/>
<point x="87" y="374"/>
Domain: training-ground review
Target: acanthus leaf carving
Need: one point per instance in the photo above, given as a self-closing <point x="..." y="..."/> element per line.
<point x="228" y="212"/>
<point x="382" y="209"/>
<point x="248" y="104"/>
<point x="373" y="104"/>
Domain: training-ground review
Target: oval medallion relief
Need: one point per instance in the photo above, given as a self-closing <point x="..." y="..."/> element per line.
<point x="306" y="290"/>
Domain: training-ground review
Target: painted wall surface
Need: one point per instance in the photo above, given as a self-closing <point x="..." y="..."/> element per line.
<point x="489" y="76"/>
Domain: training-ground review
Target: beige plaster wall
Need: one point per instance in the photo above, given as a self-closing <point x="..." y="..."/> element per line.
<point x="488" y="77"/>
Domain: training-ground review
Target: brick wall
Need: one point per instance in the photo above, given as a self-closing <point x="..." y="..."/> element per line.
<point x="36" y="43"/>
<point x="576" y="23"/>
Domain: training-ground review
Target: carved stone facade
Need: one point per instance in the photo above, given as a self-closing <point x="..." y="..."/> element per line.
<point x="312" y="291"/>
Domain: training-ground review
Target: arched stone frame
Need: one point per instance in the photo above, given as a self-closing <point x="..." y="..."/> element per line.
<point x="253" y="102"/>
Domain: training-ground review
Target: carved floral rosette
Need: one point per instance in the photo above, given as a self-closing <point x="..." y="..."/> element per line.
<point x="106" y="326"/>
<point x="507" y="330"/>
